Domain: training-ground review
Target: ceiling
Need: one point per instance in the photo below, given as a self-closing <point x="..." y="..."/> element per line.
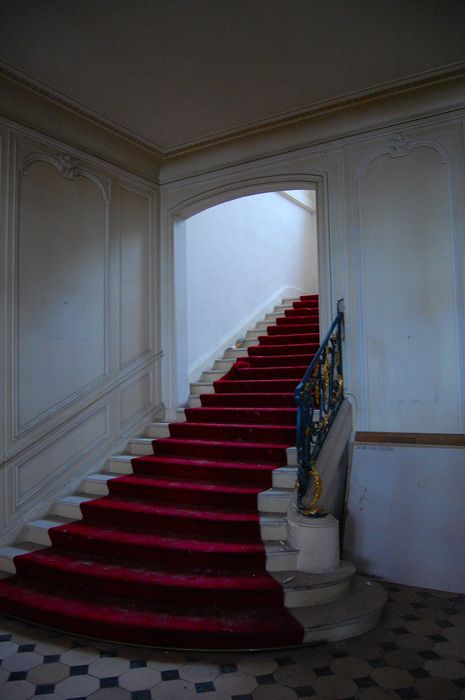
<point x="177" y="73"/>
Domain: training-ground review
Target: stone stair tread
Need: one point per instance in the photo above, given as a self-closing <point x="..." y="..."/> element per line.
<point x="101" y="477"/>
<point x="14" y="550"/>
<point x="365" y="599"/>
<point x="271" y="518"/>
<point x="277" y="491"/>
<point x="73" y="499"/>
<point x="275" y="547"/>
<point x="300" y="580"/>
<point x="49" y="522"/>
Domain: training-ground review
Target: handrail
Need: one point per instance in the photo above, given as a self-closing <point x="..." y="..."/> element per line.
<point x="319" y="397"/>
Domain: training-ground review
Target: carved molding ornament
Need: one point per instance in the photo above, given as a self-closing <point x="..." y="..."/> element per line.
<point x="400" y="145"/>
<point x="67" y="165"/>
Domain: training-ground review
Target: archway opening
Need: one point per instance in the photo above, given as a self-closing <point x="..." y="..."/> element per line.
<point x="234" y="262"/>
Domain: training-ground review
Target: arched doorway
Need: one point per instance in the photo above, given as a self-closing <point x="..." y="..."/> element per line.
<point x="174" y="283"/>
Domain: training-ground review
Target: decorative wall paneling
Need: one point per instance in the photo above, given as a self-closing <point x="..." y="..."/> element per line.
<point x="136" y="397"/>
<point x="80" y="334"/>
<point x="3" y="291"/>
<point x="408" y="276"/>
<point x="61" y="303"/>
<point x="136" y="287"/>
<point x="50" y="459"/>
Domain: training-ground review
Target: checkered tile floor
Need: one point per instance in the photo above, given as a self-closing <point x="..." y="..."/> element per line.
<point x="417" y="651"/>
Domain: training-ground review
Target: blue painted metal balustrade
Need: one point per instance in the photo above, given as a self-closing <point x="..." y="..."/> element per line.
<point x="319" y="396"/>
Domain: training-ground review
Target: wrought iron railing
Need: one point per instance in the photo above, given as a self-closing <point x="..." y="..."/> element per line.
<point x="319" y="397"/>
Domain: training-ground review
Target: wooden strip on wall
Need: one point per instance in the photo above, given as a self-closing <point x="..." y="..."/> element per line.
<point x="446" y="439"/>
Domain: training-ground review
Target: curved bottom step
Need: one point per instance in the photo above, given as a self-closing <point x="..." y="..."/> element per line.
<point x="349" y="616"/>
<point x="267" y="628"/>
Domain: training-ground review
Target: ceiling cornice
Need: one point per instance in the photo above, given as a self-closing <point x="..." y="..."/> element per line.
<point x="77" y="108"/>
<point x="308" y="112"/>
<point x="320" y="108"/>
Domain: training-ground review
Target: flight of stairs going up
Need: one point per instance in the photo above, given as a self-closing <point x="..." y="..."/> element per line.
<point x="183" y="546"/>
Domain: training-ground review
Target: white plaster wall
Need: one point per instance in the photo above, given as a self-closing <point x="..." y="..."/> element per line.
<point x="79" y="342"/>
<point x="404" y="520"/>
<point x="241" y="256"/>
<point x="408" y="294"/>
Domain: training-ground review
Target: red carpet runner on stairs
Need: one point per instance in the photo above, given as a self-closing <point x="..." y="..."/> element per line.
<point x="173" y="557"/>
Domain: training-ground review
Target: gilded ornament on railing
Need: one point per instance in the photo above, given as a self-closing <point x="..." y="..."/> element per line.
<point x="319" y="397"/>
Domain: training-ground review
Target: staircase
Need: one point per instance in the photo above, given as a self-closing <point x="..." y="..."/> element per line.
<point x="168" y="548"/>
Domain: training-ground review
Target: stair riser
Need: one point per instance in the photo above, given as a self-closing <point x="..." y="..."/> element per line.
<point x="316" y="596"/>
<point x="38" y="535"/>
<point x="343" y="630"/>
<point x="157" y="430"/>
<point x="95" y="488"/>
<point x="194" y="431"/>
<point x="304" y="348"/>
<point x="175" y="594"/>
<point x="291" y="457"/>
<point x="7" y="564"/>
<point x="251" y="454"/>
<point x="67" y="510"/>
<point x="270" y="502"/>
<point x="234" y="353"/>
<point x="284" y="561"/>
<point x="149" y="494"/>
<point x="283" y="329"/>
<point x="284" y="478"/>
<point x="256" y="386"/>
<point x="282" y="308"/>
<point x="247" y="374"/>
<point x="212" y="375"/>
<point x="141" y="447"/>
<point x="249" y="477"/>
<point x="197" y="388"/>
<point x="231" y="531"/>
<point x="297" y="339"/>
<point x="194" y="401"/>
<point x="243" y="416"/>
<point x="269" y="361"/>
<point x="286" y="329"/>
<point x="308" y="304"/>
<point x="293" y="313"/>
<point x="273" y="532"/>
<point x="159" y="556"/>
<point x="117" y="466"/>
<point x="284" y="400"/>
<point x="138" y="634"/>
<point x="307" y="297"/>
<point x="298" y="320"/>
<point x="223" y="365"/>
